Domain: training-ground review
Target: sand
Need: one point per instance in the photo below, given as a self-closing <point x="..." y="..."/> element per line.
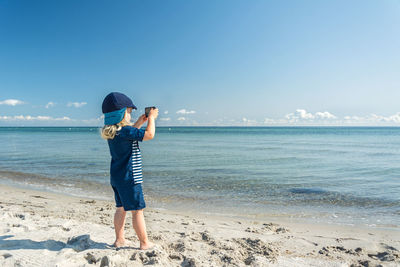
<point x="47" y="229"/>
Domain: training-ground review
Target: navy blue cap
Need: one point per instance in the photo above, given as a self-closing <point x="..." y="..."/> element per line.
<point x="116" y="101"/>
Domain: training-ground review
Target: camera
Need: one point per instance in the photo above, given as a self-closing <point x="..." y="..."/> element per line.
<point x="147" y="111"/>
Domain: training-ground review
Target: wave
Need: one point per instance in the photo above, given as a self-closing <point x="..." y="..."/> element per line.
<point x="75" y="187"/>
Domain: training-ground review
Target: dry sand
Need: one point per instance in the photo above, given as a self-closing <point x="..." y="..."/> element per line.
<point x="46" y="229"/>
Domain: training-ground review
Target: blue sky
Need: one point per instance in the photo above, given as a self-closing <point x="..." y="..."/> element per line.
<point x="201" y="62"/>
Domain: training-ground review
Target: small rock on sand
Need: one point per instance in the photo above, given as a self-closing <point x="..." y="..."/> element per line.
<point x="79" y="243"/>
<point x="105" y="261"/>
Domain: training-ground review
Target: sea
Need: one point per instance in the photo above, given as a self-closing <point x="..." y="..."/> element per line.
<point x="334" y="175"/>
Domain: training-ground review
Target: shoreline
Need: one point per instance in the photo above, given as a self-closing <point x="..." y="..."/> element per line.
<point x="283" y="217"/>
<point x="78" y="231"/>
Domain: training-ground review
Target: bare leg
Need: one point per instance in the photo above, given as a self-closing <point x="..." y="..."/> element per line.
<point x="119" y="223"/>
<point x="140" y="228"/>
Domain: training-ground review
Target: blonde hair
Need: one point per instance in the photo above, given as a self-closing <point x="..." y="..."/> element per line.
<point x="109" y="131"/>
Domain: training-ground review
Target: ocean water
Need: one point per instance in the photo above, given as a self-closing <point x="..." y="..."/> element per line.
<point x="324" y="174"/>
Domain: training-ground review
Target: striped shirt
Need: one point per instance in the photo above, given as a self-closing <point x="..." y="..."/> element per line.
<point x="136" y="159"/>
<point x="126" y="159"/>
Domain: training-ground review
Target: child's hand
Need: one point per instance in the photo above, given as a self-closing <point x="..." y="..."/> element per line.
<point x="142" y="119"/>
<point x="153" y="113"/>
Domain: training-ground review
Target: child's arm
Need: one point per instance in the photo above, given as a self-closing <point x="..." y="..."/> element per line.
<point x="139" y="123"/>
<point x="151" y="125"/>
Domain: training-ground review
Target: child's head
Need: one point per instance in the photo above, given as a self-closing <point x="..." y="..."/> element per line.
<point x="127" y="117"/>
<point x="117" y="109"/>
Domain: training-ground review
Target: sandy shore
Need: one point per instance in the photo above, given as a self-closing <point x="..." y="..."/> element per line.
<point x="46" y="229"/>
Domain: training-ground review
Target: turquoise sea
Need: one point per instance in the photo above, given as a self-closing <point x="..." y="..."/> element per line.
<point x="324" y="174"/>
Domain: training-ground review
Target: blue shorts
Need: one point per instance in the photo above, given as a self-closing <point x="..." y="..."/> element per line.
<point x="130" y="197"/>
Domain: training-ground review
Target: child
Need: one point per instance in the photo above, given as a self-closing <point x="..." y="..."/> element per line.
<point x="126" y="166"/>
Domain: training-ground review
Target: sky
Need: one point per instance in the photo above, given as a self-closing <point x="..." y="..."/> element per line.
<point x="202" y="63"/>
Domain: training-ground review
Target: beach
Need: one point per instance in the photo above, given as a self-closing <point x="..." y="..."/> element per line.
<point x="46" y="229"/>
<point x="215" y="197"/>
<point x="271" y="137"/>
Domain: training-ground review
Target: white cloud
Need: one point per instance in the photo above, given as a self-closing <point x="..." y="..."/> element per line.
<point x="373" y="119"/>
<point x="355" y="119"/>
<point x="324" y="115"/>
<point x="50" y="104"/>
<point x="32" y="118"/>
<point x="249" y="122"/>
<point x="393" y="118"/>
<point x="166" y="112"/>
<point x="289" y="116"/>
<point x="303" y="115"/>
<point x="98" y="120"/>
<point x="165" y="119"/>
<point x="76" y="104"/>
<point x="269" y="121"/>
<point x="184" y="111"/>
<point x="11" y="102"/>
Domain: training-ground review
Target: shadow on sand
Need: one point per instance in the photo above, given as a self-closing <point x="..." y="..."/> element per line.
<point x="78" y="243"/>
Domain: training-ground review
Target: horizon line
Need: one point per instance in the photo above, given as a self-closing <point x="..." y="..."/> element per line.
<point x="231" y="126"/>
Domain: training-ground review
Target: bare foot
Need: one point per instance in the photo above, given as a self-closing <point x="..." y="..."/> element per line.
<point x="147" y="245"/>
<point x="119" y="243"/>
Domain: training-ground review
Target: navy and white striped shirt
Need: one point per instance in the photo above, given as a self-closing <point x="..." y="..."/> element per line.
<point x="126" y="159"/>
<point x="136" y="163"/>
